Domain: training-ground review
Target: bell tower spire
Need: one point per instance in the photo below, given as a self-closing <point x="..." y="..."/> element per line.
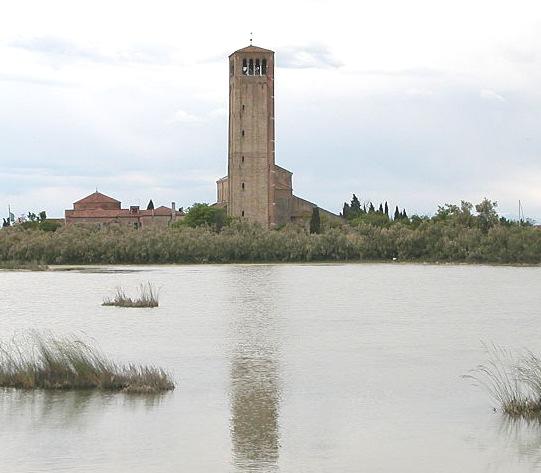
<point x="251" y="135"/>
<point x="255" y="188"/>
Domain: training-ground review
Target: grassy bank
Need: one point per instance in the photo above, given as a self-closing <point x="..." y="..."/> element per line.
<point x="429" y="240"/>
<point x="513" y="381"/>
<point x="23" y="265"/>
<point x="39" y="362"/>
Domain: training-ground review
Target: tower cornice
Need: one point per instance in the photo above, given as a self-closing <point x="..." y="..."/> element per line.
<point x="252" y="49"/>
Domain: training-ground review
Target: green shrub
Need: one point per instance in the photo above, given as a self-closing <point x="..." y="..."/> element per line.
<point x="204" y="215"/>
<point x="435" y="239"/>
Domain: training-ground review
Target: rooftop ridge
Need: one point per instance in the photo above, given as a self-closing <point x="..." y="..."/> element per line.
<point x="97" y="197"/>
<point x="252" y="49"/>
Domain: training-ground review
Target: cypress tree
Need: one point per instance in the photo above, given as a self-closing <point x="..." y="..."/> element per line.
<point x="386" y="209"/>
<point x="345" y="210"/>
<point x="380" y="210"/>
<point x="396" y="214"/>
<point x="355" y="205"/>
<point x="150" y="205"/>
<point x="404" y="214"/>
<point x="315" y="222"/>
<point x="371" y="208"/>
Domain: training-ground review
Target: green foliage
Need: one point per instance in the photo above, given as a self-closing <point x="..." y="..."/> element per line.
<point x="24" y="266"/>
<point x="315" y="221"/>
<point x="39" y="222"/>
<point x="204" y="215"/>
<point x="355" y="206"/>
<point x="376" y="219"/>
<point x="49" y="225"/>
<point x="354" y="211"/>
<point x="451" y="213"/>
<point x="346" y="210"/>
<point x="40" y="217"/>
<point x="487" y="215"/>
<point x="456" y="233"/>
<point x="44" y="225"/>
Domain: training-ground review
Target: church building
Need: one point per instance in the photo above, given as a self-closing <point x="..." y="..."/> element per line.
<point x="100" y="209"/>
<point x="256" y="188"/>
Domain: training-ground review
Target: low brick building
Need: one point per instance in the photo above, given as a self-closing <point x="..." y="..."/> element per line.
<point x="100" y="209"/>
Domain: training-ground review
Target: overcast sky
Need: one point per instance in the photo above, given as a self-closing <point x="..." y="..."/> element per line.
<point x="418" y="102"/>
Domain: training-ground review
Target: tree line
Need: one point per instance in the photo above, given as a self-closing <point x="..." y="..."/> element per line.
<point x="353" y="210"/>
<point x="455" y="233"/>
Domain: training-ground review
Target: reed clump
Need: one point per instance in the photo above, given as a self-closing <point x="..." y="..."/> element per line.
<point x="39" y="362"/>
<point x="512" y="380"/>
<point x="148" y="297"/>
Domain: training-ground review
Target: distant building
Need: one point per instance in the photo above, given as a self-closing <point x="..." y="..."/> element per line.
<point x="255" y="188"/>
<point x="100" y="209"/>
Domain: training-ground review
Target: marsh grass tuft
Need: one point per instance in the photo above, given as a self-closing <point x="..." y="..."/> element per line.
<point x="37" y="361"/>
<point x="148" y="297"/>
<point x="512" y="380"/>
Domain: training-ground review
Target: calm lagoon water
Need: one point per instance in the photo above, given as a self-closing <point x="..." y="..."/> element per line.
<point x="280" y="368"/>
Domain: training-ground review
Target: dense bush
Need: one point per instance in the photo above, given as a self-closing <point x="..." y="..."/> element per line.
<point x="449" y="236"/>
<point x="204" y="215"/>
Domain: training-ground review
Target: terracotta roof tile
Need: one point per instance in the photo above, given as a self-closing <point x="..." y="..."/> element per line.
<point x="120" y="213"/>
<point x="97" y="197"/>
<point x="252" y="49"/>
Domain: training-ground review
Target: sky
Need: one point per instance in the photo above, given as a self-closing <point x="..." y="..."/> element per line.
<point x="417" y="103"/>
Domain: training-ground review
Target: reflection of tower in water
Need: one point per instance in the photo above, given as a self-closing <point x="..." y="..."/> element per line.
<point x="255" y="388"/>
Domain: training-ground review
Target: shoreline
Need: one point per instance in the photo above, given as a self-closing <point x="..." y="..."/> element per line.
<point x="117" y="266"/>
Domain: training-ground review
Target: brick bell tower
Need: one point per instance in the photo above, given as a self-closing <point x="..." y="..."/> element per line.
<point x="251" y="168"/>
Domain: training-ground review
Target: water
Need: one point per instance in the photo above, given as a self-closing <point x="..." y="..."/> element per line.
<point x="280" y="368"/>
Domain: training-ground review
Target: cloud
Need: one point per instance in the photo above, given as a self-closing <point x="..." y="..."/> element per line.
<point x="56" y="47"/>
<point x="218" y="113"/>
<point x="67" y="51"/>
<point x="35" y="80"/>
<point x="311" y="56"/>
<point x="416" y="92"/>
<point x="181" y="116"/>
<point x="417" y="72"/>
<point x="488" y="94"/>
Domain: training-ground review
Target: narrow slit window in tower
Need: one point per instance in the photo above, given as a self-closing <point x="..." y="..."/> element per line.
<point x="251" y="67"/>
<point x="264" y="67"/>
<point x="242" y="132"/>
<point x="243" y="186"/>
<point x="242" y="213"/>
<point x="257" y="68"/>
<point x="244" y="67"/>
<point x="242" y="159"/>
<point x="231" y="68"/>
